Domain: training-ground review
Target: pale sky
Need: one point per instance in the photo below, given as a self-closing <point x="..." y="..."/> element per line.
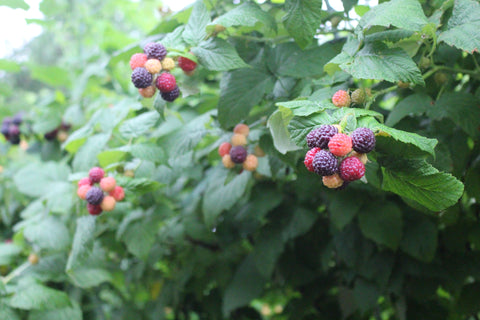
<point x="20" y="32"/>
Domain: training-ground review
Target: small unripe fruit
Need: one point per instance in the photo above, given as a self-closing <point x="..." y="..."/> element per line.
<point x="334" y="181"/>
<point x="440" y="78"/>
<point x="84" y="181"/>
<point x="96" y="174"/>
<point x="335" y="20"/>
<point x="340" y="145"/>
<point x="82" y="191"/>
<point x="186" y="64"/>
<point x="219" y="28"/>
<point x="129" y="173"/>
<point x="94" y="209"/>
<point x="108" y="184"/>
<point x="33" y="258"/>
<point x="224" y="149"/>
<point x="147" y="92"/>
<point x="138" y="60"/>
<point x="351" y="169"/>
<point x="242" y="128"/>
<point x="239" y="140"/>
<point x="403" y="85"/>
<point x="168" y="64"/>
<point x="62" y="136"/>
<point x="118" y="193"/>
<point x="250" y="163"/>
<point x="341" y="98"/>
<point x="361" y="156"/>
<point x="227" y="162"/>
<point x="153" y="66"/>
<point x="424" y="62"/>
<point x="358" y="96"/>
<point x="108" y="203"/>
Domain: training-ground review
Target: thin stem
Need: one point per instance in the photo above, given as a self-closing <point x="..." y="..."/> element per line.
<point x="16" y="272"/>
<point x="457" y="70"/>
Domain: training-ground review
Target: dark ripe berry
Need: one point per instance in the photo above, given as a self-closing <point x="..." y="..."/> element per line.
<point x="94" y="195"/>
<point x="166" y="82"/>
<point x="351" y="169"/>
<point x="172" y="95"/>
<point x="141" y="78"/>
<point x="186" y="64"/>
<point x="308" y="161"/>
<point x="7" y="121"/>
<point x="13" y="130"/>
<point x="238" y="154"/>
<point x="325" y="163"/>
<point x="319" y="138"/>
<point x="94" y="209"/>
<point x="155" y="51"/>
<point x="96" y="174"/>
<point x="5" y="130"/>
<point x="363" y="140"/>
<point x="15" y="139"/>
<point x="17" y="120"/>
<point x="65" y="126"/>
<point x="51" y="135"/>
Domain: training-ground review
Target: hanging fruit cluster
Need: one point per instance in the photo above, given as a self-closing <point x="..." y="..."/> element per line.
<point x="235" y="152"/>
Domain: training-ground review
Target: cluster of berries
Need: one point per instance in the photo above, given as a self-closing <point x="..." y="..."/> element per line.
<point x="235" y="152"/>
<point x="151" y="71"/>
<point x="97" y="201"/>
<point x="337" y="157"/>
<point x="60" y="133"/>
<point x="342" y="98"/>
<point x="11" y="128"/>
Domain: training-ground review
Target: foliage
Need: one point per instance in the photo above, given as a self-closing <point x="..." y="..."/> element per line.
<point x="194" y="240"/>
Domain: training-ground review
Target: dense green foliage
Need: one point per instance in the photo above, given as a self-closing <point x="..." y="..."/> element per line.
<point x="193" y="240"/>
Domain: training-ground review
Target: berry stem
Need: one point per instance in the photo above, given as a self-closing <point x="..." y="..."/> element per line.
<point x="379" y="93"/>
<point x="16" y="272"/>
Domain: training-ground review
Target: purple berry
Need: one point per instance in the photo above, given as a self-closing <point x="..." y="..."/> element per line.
<point x="325" y="163"/>
<point x="141" y="78"/>
<point x="238" y="154"/>
<point x="5" y="130"/>
<point x="15" y="139"/>
<point x="172" y="95"/>
<point x="94" y="195"/>
<point x="363" y="140"/>
<point x="13" y="130"/>
<point x="51" y="135"/>
<point x="319" y="138"/>
<point x="17" y="120"/>
<point x="155" y="51"/>
<point x="7" y="121"/>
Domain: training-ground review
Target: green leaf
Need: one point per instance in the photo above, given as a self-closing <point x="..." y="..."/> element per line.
<point x="86" y="156"/>
<point x="348" y="4"/>
<point x="281" y="137"/>
<point x="218" y="55"/>
<point x="240" y="90"/>
<point x="343" y="208"/>
<point x="468" y="300"/>
<point x="246" y="285"/>
<point x="8" y="253"/>
<point x="8" y="313"/>
<point x="88" y="277"/>
<point x="136" y="127"/>
<point x="221" y="195"/>
<point x="247" y="14"/>
<point x="404" y="14"/>
<point x="302" y="20"/>
<point x="71" y="313"/>
<point x="146" y="151"/>
<point x="51" y="75"/>
<point x="305" y="108"/>
<point x="9" y="66"/>
<point x="463" y="26"/>
<point x="419" y="181"/>
<point x="160" y="104"/>
<point x="38" y="297"/>
<point x="413" y="105"/>
<point x="82" y="242"/>
<point x="382" y="223"/>
<point x="109" y="157"/>
<point x="15" y="4"/>
<point x="174" y="40"/>
<point x="288" y="59"/>
<point x="366" y="295"/>
<point x="455" y="105"/>
<point x="48" y="233"/>
<point x="420" y="237"/>
<point x="35" y="178"/>
<point x="138" y="231"/>
<point x="377" y="61"/>
<point x="195" y="30"/>
<point x="141" y="186"/>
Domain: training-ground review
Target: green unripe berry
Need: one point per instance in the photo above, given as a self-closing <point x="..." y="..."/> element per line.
<point x="358" y="96"/>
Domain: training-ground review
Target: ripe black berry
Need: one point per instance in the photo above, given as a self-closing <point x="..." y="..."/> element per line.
<point x="363" y="140"/>
<point x="172" y="95"/>
<point x="141" y="78"/>
<point x="319" y="138"/>
<point x="238" y="154"/>
<point x="325" y="163"/>
<point x="94" y="195"/>
<point x="155" y="51"/>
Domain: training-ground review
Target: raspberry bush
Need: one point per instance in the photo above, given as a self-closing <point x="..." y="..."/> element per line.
<point x="251" y="160"/>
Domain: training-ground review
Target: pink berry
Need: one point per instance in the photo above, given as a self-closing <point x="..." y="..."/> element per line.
<point x="351" y="169"/>
<point x="309" y="158"/>
<point x="96" y="174"/>
<point x="341" y="98"/>
<point x="340" y="144"/>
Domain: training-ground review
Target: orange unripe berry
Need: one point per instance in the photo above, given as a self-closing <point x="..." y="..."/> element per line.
<point x="33" y="258"/>
<point x="239" y="140"/>
<point x="250" y="163"/>
<point x="118" y="193"/>
<point x="224" y="149"/>
<point x="227" y="161"/>
<point x="129" y="173"/>
<point x="108" y="184"/>
<point x="259" y="152"/>
<point x="361" y="156"/>
<point x="334" y="181"/>
<point x="138" y="60"/>
<point x="147" y="92"/>
<point x="168" y="64"/>
<point x="62" y="136"/>
<point x="82" y="191"/>
<point x="153" y="66"/>
<point x="108" y="203"/>
<point x="341" y="98"/>
<point x="242" y="128"/>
